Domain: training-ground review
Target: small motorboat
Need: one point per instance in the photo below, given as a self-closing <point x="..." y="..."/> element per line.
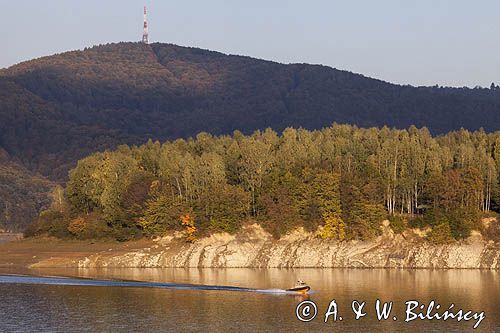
<point x="300" y="287"/>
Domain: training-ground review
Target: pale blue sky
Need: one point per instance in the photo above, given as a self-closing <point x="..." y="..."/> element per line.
<point x="419" y="42"/>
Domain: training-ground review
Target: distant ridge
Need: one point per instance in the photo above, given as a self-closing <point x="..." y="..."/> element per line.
<point x="56" y="109"/>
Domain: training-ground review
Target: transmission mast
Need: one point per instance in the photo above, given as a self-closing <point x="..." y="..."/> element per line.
<point x="145" y="34"/>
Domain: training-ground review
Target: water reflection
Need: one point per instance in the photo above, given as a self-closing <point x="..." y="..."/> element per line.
<point x="80" y="308"/>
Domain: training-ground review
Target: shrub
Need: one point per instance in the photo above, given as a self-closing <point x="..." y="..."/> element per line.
<point x="417" y="222"/>
<point x="440" y="234"/>
<point x="462" y="221"/>
<point x="94" y="227"/>
<point x="52" y="223"/>
<point x="493" y="231"/>
<point x="398" y="223"/>
<point x="77" y="226"/>
<point x="31" y="230"/>
<point x="334" y="227"/>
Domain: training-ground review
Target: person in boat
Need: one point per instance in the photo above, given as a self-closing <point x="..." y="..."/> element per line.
<point x="300" y="286"/>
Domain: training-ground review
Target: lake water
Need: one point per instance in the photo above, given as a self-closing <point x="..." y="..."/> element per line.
<point x="31" y="306"/>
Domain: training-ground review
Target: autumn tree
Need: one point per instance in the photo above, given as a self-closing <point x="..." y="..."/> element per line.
<point x="188" y="222"/>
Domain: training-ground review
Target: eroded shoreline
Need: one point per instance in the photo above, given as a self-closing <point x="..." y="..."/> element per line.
<point x="252" y="247"/>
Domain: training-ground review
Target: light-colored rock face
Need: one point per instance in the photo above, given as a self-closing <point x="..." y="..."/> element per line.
<point x="253" y="247"/>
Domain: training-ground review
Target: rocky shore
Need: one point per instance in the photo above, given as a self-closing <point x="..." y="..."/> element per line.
<point x="253" y="247"/>
<point x="8" y="236"/>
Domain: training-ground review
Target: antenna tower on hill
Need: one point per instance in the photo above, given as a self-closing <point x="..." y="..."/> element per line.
<point x="145" y="34"/>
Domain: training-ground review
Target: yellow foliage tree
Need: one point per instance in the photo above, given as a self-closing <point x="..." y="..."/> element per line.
<point x="334" y="227"/>
<point x="188" y="221"/>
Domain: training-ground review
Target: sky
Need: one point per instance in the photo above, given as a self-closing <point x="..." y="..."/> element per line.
<point x="417" y="42"/>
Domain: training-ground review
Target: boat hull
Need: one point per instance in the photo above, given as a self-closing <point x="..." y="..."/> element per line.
<point x="303" y="289"/>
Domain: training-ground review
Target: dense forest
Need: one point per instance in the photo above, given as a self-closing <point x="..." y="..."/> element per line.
<point x="56" y="110"/>
<point x="341" y="181"/>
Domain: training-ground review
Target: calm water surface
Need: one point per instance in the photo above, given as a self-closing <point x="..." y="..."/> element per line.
<point x="69" y="308"/>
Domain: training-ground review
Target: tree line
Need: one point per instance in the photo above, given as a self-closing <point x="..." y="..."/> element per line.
<point x="341" y="181"/>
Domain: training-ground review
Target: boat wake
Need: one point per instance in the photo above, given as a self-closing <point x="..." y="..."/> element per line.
<point x="67" y="281"/>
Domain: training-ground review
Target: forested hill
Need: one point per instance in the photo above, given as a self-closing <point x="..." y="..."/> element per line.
<point x="56" y="109"/>
<point x="22" y="194"/>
